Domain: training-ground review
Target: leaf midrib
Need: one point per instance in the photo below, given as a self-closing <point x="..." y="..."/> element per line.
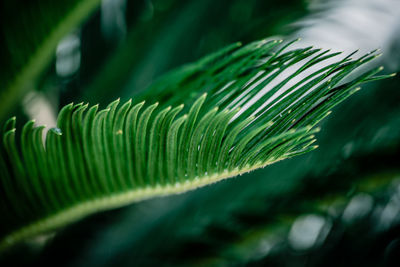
<point x="116" y="200"/>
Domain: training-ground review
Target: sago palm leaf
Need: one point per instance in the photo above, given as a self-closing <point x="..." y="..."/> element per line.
<point x="230" y="113"/>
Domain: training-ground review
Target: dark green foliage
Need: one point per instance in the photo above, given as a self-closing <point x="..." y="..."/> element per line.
<point x="31" y="32"/>
<point x="101" y="159"/>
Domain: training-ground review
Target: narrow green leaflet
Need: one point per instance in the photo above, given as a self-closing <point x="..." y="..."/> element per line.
<point x="237" y="110"/>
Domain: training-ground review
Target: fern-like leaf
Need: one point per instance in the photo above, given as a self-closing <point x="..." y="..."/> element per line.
<point x="220" y="117"/>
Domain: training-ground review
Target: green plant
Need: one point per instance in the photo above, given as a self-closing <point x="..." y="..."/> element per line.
<point x="213" y="120"/>
<point x="225" y="115"/>
<point x="31" y="37"/>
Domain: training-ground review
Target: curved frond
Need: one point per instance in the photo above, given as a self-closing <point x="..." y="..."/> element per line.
<point x="232" y="112"/>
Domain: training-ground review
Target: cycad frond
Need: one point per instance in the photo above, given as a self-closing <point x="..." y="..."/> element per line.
<point x="235" y="118"/>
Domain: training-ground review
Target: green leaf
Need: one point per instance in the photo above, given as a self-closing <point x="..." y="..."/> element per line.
<point x="238" y="115"/>
<point x="31" y="35"/>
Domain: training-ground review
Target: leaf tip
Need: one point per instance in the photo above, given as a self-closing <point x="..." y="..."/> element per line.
<point x="56" y="131"/>
<point x="78" y="105"/>
<point x="378" y="55"/>
<point x="374" y="51"/>
<point x="309" y="127"/>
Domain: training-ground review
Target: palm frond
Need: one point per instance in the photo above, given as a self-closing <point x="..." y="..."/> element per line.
<point x="229" y="113"/>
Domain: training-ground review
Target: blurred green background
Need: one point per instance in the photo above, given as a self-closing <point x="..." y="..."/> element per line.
<point x="337" y="205"/>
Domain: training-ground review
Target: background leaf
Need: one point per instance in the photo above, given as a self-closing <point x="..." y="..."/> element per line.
<point x="31" y="32"/>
